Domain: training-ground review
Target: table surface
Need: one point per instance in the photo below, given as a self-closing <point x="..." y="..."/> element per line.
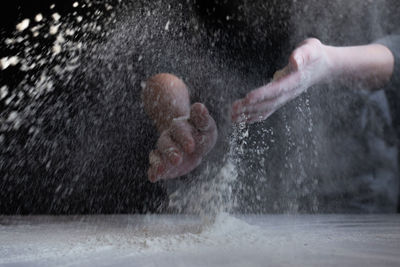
<point x="172" y="240"/>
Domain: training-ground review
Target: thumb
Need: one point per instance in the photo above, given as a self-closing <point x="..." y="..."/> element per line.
<point x="305" y="54"/>
<point x="279" y="74"/>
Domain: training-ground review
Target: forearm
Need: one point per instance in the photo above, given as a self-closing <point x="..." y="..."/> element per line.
<point x="165" y="97"/>
<point x="370" y="66"/>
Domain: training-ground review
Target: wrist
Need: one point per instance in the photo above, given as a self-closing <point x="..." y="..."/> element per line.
<point x="334" y="63"/>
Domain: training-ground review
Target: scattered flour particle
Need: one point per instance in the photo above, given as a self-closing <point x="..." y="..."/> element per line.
<point x="56" y="16"/>
<point x="13" y="60"/>
<point x="36" y="28"/>
<point x="23" y="25"/>
<point x="5" y="62"/>
<point x="75" y="4"/>
<point x="20" y="39"/>
<point x="39" y="17"/>
<point x="108" y="7"/>
<point x="56" y="49"/>
<point x="26" y="67"/>
<point x="60" y="39"/>
<point x="3" y="91"/>
<point x="9" y="41"/>
<point x="54" y="29"/>
<point x="52" y="6"/>
<point x="167" y="25"/>
<point x="79" y="46"/>
<point x="35" y="34"/>
<point x="79" y="18"/>
<point x="8" y="100"/>
<point x="69" y="32"/>
<point x="12" y="117"/>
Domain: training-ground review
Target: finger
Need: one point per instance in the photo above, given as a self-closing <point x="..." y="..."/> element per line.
<point x="237" y="109"/>
<point x="237" y="117"/>
<point x="201" y="118"/>
<point x="259" y="117"/>
<point x="263" y="106"/>
<point x="205" y="141"/>
<point x="269" y="91"/>
<point x="286" y="85"/>
<point x="299" y="58"/>
<point x="269" y="106"/>
<point x="242" y="114"/>
<point x="155" y="162"/>
<point x="265" y="111"/>
<point x="162" y="168"/>
<point x="241" y="110"/>
<point x="282" y="73"/>
<point x="259" y="101"/>
<point x="181" y="134"/>
<point x="239" y="106"/>
<point x="240" y="118"/>
<point x="169" y="149"/>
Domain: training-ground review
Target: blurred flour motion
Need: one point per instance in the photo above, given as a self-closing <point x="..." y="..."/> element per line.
<point x="74" y="137"/>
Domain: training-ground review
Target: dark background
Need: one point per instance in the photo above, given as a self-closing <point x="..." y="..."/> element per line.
<point x="28" y="186"/>
<point x="13" y="12"/>
<point x="214" y="15"/>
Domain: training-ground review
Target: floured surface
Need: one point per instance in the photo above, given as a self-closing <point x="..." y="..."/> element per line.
<point x="167" y="240"/>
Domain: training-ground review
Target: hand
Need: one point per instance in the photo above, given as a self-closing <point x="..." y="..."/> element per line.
<point x="181" y="147"/>
<point x="308" y="65"/>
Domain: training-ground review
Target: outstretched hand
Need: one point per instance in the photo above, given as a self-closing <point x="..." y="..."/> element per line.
<point x="181" y="147"/>
<point x="308" y="65"/>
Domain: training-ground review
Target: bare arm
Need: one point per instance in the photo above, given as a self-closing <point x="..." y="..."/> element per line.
<point x="370" y="66"/>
